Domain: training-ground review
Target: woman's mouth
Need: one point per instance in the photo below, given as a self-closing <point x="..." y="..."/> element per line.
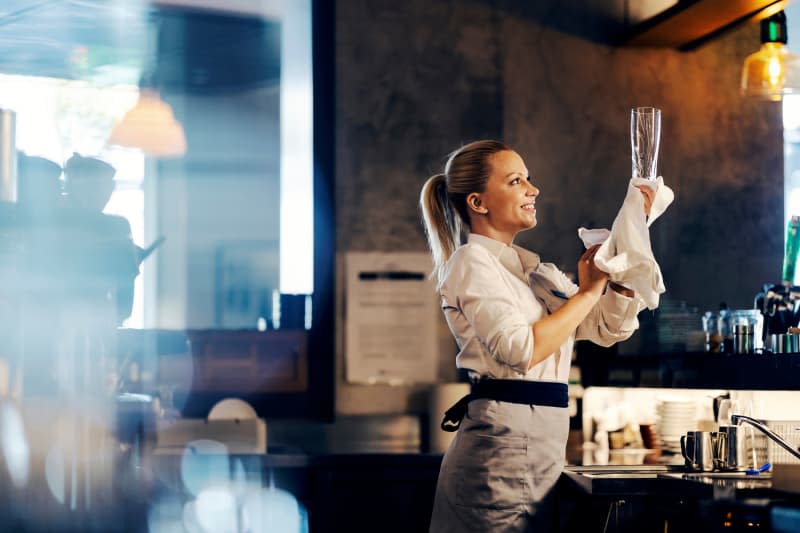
<point x="529" y="207"/>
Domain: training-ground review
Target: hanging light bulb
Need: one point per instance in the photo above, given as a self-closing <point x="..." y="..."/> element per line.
<point x="151" y="127"/>
<point x="773" y="71"/>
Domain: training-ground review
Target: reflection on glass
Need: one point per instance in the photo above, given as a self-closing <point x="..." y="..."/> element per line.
<point x="215" y="240"/>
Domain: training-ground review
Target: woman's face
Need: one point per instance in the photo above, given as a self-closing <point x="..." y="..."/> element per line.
<point x="508" y="204"/>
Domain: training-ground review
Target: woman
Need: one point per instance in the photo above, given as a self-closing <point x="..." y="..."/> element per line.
<point x="515" y="320"/>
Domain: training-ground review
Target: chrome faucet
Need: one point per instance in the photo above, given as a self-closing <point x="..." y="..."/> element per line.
<point x="737" y="420"/>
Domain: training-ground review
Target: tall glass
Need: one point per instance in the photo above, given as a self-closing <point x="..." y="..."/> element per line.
<point x="645" y="139"/>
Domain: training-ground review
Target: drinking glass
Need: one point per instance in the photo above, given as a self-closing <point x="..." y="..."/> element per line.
<point x="645" y="139"/>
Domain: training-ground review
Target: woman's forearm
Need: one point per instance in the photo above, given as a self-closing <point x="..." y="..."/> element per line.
<point x="550" y="332"/>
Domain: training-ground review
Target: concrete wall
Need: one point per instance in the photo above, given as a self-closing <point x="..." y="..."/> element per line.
<point x="416" y="80"/>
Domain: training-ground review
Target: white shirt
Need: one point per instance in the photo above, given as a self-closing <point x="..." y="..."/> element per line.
<point x="493" y="293"/>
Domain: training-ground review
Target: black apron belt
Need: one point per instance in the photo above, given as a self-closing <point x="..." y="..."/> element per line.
<point x="546" y="393"/>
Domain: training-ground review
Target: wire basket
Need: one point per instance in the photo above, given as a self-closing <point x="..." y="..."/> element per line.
<point x="789" y="430"/>
<point x="756" y="446"/>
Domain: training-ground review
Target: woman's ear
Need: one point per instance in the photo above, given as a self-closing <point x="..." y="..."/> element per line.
<point x="474" y="203"/>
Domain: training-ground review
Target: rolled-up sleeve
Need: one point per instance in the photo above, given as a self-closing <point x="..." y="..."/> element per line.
<point x="612" y="319"/>
<point x="489" y="306"/>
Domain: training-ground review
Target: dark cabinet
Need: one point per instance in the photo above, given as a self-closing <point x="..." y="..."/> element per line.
<point x="374" y="493"/>
<point x="387" y="492"/>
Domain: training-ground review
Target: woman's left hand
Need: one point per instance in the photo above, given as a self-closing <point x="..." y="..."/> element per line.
<point x="649" y="195"/>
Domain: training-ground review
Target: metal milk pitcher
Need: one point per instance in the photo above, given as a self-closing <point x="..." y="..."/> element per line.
<point x="730" y="449"/>
<point x="697" y="448"/>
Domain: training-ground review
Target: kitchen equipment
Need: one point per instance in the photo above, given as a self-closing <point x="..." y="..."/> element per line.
<point x="687" y="443"/>
<point x="730" y="451"/>
<point x="783" y="343"/>
<point x="780" y="307"/>
<point x="674" y="416"/>
<point x="716" y="407"/>
<point x="790" y="431"/>
<point x="697" y="448"/>
<point x="746" y="326"/>
<point x="743" y="339"/>
<point x="719" y="442"/>
<point x="713" y="337"/>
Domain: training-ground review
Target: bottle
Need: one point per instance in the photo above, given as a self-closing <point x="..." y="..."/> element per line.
<point x="725" y="328"/>
<point x="792" y="248"/>
<point x="712" y="333"/>
<point x="742" y="338"/>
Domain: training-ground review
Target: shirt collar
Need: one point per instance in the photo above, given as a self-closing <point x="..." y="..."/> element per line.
<point x="521" y="263"/>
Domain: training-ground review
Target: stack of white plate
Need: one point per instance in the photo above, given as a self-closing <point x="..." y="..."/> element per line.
<point x="676" y="416"/>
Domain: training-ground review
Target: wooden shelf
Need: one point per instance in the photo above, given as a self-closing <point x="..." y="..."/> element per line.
<point x="689" y="23"/>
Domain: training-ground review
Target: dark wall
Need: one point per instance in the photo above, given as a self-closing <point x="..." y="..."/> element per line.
<point x="417" y="79"/>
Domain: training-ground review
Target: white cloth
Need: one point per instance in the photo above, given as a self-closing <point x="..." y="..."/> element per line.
<point x="492" y="294"/>
<point x="626" y="255"/>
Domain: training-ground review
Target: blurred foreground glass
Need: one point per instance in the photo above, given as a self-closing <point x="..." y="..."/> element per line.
<point x="645" y="140"/>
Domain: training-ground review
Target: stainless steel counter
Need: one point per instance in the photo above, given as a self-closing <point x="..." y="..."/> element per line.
<point x="665" y="479"/>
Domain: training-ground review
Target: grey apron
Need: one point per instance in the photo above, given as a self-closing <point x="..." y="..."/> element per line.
<point x="500" y="467"/>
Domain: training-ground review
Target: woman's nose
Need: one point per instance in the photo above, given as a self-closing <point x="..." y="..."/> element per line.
<point x="532" y="190"/>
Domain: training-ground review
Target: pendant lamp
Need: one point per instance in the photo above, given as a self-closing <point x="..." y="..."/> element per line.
<point x="151" y="127"/>
<point x="773" y="70"/>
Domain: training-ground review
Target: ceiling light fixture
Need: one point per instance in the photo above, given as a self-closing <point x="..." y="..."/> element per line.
<point x="773" y="70"/>
<point x="150" y="126"/>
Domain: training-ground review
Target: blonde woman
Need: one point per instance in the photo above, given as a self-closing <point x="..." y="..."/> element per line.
<point x="515" y="320"/>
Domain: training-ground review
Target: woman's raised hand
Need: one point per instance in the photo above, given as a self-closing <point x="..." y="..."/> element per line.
<point x="649" y="195"/>
<point x="591" y="278"/>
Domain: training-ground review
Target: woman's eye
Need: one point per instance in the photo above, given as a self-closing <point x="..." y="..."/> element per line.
<point x="515" y="181"/>
<point x="529" y="179"/>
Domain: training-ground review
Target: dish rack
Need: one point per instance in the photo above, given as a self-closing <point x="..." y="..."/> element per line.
<point x="790" y="431"/>
<point x="767" y="450"/>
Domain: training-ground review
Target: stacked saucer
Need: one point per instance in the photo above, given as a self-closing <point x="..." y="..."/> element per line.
<point x="676" y="416"/>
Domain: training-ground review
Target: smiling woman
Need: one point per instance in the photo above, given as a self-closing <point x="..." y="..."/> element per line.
<point x="515" y="320"/>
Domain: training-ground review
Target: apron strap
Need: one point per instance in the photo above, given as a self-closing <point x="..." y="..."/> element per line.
<point x="547" y="393"/>
<point x="452" y="417"/>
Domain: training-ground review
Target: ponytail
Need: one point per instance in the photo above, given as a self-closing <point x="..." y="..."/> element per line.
<point x="442" y="225"/>
<point x="443" y="199"/>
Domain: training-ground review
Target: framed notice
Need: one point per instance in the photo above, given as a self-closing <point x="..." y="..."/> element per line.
<point x="391" y="316"/>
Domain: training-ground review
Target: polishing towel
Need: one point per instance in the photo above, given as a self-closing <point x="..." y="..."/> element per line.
<point x="625" y="253"/>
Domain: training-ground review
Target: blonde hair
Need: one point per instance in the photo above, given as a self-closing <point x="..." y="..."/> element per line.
<point x="443" y="199"/>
